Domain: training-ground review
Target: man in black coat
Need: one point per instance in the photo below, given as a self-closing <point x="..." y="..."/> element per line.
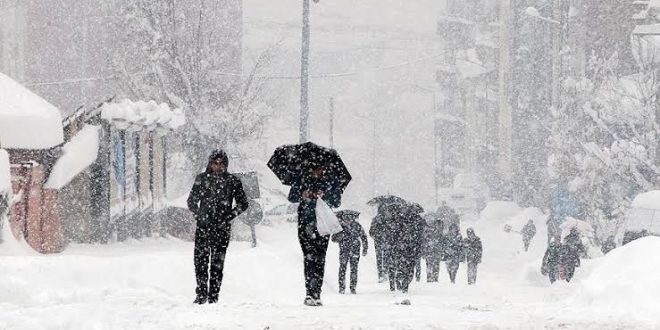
<point x="473" y="252"/>
<point x="528" y="232"/>
<point x="453" y="251"/>
<point x="350" y="239"/>
<point x="211" y="200"/>
<point x="552" y="259"/>
<point x="312" y="187"/>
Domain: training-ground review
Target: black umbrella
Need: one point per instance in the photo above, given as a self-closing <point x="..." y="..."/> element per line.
<point x="387" y="200"/>
<point x="291" y="162"/>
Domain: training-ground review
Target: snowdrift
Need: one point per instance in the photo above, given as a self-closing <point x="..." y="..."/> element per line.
<point x="625" y="280"/>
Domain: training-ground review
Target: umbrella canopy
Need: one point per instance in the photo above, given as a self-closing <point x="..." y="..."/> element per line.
<point x="582" y="227"/>
<point x="291" y="162"/>
<point x="347" y="214"/>
<point x="387" y="200"/>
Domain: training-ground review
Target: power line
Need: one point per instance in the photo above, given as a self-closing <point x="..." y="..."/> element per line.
<point x="268" y="77"/>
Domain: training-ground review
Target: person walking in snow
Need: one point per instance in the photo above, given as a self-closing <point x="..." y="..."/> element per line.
<point x="609" y="245"/>
<point x="453" y="251"/>
<point x="433" y="249"/>
<point x="473" y="251"/>
<point x="210" y="200"/>
<point x="528" y="232"/>
<point x="552" y="259"/>
<point x="313" y="186"/>
<point x="570" y="253"/>
<point x="350" y="239"/>
<point x="404" y="246"/>
<point x="378" y="234"/>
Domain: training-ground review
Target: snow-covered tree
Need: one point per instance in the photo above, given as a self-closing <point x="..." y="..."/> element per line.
<point x="604" y="140"/>
<point x="188" y="53"/>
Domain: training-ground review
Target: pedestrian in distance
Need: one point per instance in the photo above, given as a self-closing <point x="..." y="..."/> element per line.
<point x="213" y="194"/>
<point x="453" y="251"/>
<point x="352" y="239"/>
<point x="377" y="231"/>
<point x="473" y="252"/>
<point x="552" y="259"/>
<point x="528" y="232"/>
<point x="433" y="249"/>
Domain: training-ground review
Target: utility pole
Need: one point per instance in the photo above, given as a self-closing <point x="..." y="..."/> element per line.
<point x="556" y="56"/>
<point x="332" y="122"/>
<point x="304" y="76"/>
<point x="505" y="115"/>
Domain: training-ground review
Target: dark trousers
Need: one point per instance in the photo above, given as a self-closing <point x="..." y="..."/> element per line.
<point x="553" y="274"/>
<point x="401" y="271"/>
<point x="314" y="248"/>
<point x="452" y="269"/>
<point x="570" y="271"/>
<point x="472" y="272"/>
<point x="526" y="244"/>
<point x="432" y="268"/>
<point x="210" y="245"/>
<point x="344" y="259"/>
<point x="418" y="269"/>
<point x="380" y="259"/>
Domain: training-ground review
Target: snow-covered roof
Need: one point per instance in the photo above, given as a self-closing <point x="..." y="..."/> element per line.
<point x="5" y="178"/>
<point x="78" y="154"/>
<point x="26" y="120"/>
<point x="146" y="115"/>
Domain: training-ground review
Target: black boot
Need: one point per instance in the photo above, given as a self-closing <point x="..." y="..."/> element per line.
<point x="200" y="300"/>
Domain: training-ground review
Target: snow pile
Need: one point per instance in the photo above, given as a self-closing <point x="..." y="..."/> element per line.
<point x="625" y="280"/>
<point x="648" y="200"/>
<point x="500" y="211"/>
<point x="149" y="115"/>
<point x="79" y="153"/>
<point x="26" y="120"/>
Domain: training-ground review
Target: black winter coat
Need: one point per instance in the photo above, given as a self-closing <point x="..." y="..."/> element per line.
<point x="212" y="197"/>
<point x="453" y="248"/>
<point x="405" y="234"/>
<point x="351" y="238"/>
<point x="378" y="229"/>
<point x="552" y="257"/>
<point x="433" y="239"/>
<point x="473" y="250"/>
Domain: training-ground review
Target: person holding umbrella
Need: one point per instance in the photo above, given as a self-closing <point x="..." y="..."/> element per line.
<point x="315" y="174"/>
<point x="350" y="239"/>
<point x="210" y="200"/>
<point x="377" y="233"/>
<point x="387" y="208"/>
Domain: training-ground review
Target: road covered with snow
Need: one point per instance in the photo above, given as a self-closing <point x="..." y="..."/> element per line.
<point x="149" y="284"/>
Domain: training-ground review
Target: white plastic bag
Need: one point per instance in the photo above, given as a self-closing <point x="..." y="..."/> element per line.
<point x="326" y="220"/>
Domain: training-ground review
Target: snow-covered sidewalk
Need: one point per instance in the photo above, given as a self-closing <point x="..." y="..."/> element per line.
<point x="150" y="285"/>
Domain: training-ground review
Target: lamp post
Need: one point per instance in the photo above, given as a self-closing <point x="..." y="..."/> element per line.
<point x="304" y="74"/>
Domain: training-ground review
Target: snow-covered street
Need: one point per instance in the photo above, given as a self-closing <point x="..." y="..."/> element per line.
<point x="149" y="284"/>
